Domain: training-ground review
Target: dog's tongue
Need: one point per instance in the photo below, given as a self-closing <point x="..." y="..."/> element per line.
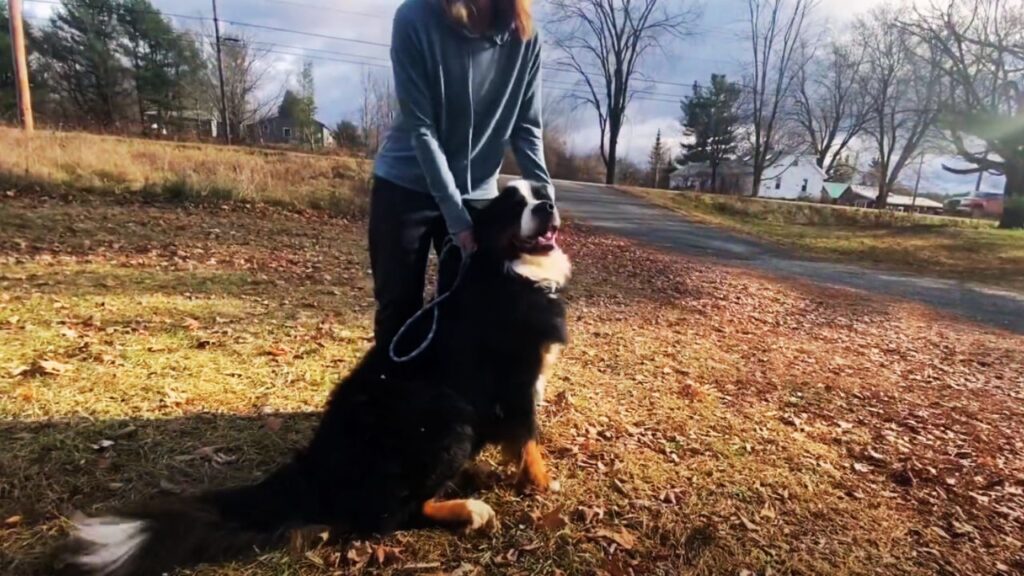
<point x="549" y="238"/>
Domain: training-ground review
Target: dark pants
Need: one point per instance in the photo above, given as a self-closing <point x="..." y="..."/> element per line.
<point x="404" y="225"/>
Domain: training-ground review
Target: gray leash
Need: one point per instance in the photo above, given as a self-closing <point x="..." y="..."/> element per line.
<point x="430" y="307"/>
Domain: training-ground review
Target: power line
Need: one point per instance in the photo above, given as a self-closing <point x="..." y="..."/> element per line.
<point x="325" y="8"/>
<point x="303" y="33"/>
<point x="345" y="56"/>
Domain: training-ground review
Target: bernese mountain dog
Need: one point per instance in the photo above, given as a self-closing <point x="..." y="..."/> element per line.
<point x="393" y="435"/>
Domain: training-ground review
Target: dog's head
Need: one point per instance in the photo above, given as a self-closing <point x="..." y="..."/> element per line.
<point x="521" y="220"/>
<point x="520" y="227"/>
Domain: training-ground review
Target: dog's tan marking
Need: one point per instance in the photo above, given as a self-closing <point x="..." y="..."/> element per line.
<point x="549" y="356"/>
<point x="552" y="269"/>
<point x="533" y="471"/>
<point x="470" y="515"/>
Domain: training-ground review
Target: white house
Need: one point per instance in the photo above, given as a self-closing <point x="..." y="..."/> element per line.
<point x="793" y="178"/>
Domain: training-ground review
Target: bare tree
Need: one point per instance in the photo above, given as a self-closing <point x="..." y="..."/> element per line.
<point x="777" y="30"/>
<point x="902" y="95"/>
<point x="379" y="108"/>
<point x="831" y="108"/>
<point x="980" y="53"/>
<point x="247" y="71"/>
<point x="606" y="43"/>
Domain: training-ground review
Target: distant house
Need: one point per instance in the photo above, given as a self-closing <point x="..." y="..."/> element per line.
<point x="832" y="191"/>
<point x="285" y="130"/>
<point x="191" y="123"/>
<point x="793" y="178"/>
<point x="790" y="178"/>
<point x="866" y="197"/>
<point x="731" y="177"/>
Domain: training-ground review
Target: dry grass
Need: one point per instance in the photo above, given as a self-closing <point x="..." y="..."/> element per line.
<point x="970" y="250"/>
<point x="72" y="163"/>
<point x="704" y="421"/>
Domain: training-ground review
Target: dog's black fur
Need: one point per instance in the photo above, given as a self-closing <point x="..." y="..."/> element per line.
<point x="392" y="435"/>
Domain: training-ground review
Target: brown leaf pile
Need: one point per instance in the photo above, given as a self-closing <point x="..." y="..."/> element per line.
<point x="704" y="420"/>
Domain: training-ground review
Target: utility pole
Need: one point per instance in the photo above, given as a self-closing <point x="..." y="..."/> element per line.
<point x="917" y="183"/>
<point x="220" y="75"/>
<point x="21" y="67"/>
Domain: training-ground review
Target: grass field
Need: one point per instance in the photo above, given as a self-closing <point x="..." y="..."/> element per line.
<point x="129" y="169"/>
<point x="703" y="421"/>
<point x="959" y="248"/>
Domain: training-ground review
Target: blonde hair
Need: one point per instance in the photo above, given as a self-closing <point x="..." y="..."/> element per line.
<point x="460" y="12"/>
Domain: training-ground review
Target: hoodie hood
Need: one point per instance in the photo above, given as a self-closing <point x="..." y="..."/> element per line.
<point x="500" y="34"/>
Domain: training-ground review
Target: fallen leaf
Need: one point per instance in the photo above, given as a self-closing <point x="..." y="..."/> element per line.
<point x="552" y="520"/>
<point x="467" y="570"/>
<point x="273" y="423"/>
<point x="19" y="370"/>
<point x="103" y="445"/>
<point x="622" y="537"/>
<point x="54" y="368"/>
<point x="191" y="324"/>
<point x="13" y="521"/>
<point x="278" y="352"/>
<point x="588" y="515"/>
<point x="748" y="524"/>
<point x="359" y="553"/>
<point x="386" y="554"/>
<point x="167" y="486"/>
<point x="68" y="333"/>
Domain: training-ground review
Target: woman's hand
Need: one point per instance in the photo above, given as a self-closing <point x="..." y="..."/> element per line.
<point x="466" y="241"/>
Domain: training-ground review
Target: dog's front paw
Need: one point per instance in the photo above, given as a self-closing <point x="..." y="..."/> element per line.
<point x="537" y="481"/>
<point x="481" y="516"/>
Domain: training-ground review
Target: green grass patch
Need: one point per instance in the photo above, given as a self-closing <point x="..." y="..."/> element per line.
<point x="958" y="248"/>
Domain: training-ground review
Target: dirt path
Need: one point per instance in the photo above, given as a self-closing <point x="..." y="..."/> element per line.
<point x="613" y="211"/>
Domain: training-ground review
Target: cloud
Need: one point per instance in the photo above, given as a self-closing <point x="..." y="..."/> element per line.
<point x="717" y="47"/>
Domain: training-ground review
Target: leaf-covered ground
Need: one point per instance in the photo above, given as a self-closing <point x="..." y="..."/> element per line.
<point x="705" y="420"/>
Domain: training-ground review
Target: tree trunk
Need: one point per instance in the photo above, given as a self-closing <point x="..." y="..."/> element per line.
<point x="882" y="200"/>
<point x="613" y="149"/>
<point x="714" y="176"/>
<point x="1013" y="196"/>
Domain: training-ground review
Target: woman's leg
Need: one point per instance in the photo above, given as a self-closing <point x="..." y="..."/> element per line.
<point x="403" y="224"/>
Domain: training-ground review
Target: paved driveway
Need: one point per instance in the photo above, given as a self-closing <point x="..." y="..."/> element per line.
<point x="610" y="210"/>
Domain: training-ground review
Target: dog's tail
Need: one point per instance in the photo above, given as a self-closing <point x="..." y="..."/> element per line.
<point x="156" y="538"/>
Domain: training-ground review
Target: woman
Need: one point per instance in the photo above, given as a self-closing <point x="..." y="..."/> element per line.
<point x="467" y="77"/>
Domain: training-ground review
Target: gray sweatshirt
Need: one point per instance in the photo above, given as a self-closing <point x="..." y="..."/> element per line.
<point x="463" y="98"/>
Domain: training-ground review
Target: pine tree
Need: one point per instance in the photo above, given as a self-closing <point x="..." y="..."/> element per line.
<point x="300" y="108"/>
<point x="657" y="161"/>
<point x="8" y="99"/>
<point x="711" y="122"/>
<point x="164" y="64"/>
<point x="83" y="63"/>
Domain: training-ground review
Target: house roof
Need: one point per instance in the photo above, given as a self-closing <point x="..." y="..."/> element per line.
<point x="919" y="202"/>
<point x="785" y="162"/>
<point x="835" y="189"/>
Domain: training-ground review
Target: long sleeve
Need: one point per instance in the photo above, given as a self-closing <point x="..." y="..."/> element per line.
<point x="528" y="133"/>
<point x="414" y="97"/>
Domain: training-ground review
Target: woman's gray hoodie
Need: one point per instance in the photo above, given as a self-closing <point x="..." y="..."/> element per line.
<point x="463" y="98"/>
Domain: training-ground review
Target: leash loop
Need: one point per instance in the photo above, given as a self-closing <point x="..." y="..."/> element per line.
<point x="432" y="306"/>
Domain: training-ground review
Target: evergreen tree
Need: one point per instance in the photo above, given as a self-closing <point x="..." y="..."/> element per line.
<point x="658" y="162"/>
<point x="83" y="63"/>
<point x="711" y="123"/>
<point x="347" y="135"/>
<point x="8" y="98"/>
<point x="300" y="108"/>
<point x="164" y="64"/>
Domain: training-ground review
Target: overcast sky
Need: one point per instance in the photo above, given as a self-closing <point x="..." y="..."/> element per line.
<point x="359" y="27"/>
